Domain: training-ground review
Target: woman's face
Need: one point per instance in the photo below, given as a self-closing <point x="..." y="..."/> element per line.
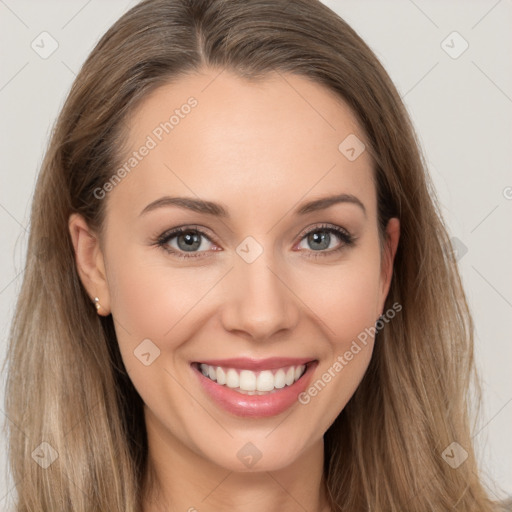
<point x="267" y="284"/>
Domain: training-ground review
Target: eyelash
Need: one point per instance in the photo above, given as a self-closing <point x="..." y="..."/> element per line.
<point x="347" y="239"/>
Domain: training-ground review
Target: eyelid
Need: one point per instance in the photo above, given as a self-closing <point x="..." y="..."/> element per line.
<point x="322" y="225"/>
<point x="185" y="228"/>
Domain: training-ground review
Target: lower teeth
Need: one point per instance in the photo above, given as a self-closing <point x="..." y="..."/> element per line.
<point x="255" y="392"/>
<point x="244" y="392"/>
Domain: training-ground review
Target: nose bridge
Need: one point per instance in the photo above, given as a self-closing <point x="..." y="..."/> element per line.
<point x="259" y="302"/>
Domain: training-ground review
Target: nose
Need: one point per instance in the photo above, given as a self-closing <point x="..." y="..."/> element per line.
<point x="259" y="301"/>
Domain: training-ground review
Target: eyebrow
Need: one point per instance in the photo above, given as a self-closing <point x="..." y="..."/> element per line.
<point x="217" y="210"/>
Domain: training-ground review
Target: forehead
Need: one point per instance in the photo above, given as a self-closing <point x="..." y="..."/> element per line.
<point x="216" y="135"/>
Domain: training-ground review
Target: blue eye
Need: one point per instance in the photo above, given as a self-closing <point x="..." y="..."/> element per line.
<point x="323" y="241"/>
<point x="189" y="241"/>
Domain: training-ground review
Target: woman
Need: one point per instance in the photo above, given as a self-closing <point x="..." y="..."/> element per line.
<point x="248" y="299"/>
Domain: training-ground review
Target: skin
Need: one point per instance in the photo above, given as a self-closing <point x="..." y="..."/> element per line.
<point x="260" y="149"/>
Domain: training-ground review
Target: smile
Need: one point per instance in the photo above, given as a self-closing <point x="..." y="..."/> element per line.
<point x="254" y="388"/>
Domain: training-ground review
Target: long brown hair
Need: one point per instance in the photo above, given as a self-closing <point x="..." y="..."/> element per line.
<point x="67" y="385"/>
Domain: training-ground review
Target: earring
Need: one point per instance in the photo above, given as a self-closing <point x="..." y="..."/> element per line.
<point x="97" y="303"/>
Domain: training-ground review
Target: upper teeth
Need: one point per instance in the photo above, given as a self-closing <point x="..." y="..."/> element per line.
<point x="247" y="380"/>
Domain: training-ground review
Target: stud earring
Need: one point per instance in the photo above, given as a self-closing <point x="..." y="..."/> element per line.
<point x="97" y="303"/>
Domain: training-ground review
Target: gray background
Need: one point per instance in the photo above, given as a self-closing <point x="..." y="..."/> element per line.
<point x="460" y="105"/>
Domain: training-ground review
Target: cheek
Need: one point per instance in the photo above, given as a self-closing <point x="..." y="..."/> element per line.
<point x="152" y="300"/>
<point x="157" y="303"/>
<point x="347" y="307"/>
<point x="345" y="297"/>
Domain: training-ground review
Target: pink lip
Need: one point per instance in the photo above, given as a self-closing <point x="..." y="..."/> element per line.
<point x="255" y="406"/>
<point x="244" y="363"/>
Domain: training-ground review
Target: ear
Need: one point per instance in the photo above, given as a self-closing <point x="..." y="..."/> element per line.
<point x="388" y="257"/>
<point x="89" y="262"/>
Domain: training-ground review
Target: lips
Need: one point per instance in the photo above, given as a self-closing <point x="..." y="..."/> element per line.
<point x="254" y="388"/>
